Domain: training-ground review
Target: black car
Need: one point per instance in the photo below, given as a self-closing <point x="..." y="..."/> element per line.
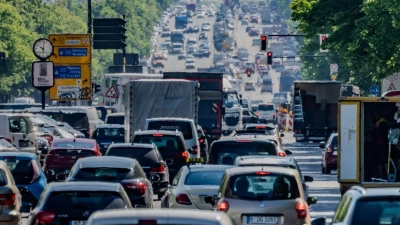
<point x="203" y="143"/>
<point x="254" y="32"/>
<point x="105" y="134"/>
<point x="149" y="158"/>
<point x="248" y="116"/>
<point x="203" y="36"/>
<point x="70" y="202"/>
<point x="241" y="15"/>
<point x="192" y="29"/>
<point x="253" y="19"/>
<point x="126" y="171"/>
<point x="171" y="145"/>
<point x="250" y="27"/>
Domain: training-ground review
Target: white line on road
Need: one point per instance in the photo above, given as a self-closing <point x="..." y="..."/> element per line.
<point x="320" y="214"/>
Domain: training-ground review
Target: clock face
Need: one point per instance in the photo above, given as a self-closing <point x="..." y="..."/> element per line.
<point x="43" y="48"/>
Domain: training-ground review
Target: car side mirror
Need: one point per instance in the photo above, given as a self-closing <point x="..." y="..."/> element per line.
<point x="25" y="208"/>
<point x="164" y="184"/>
<point x="169" y="161"/>
<point x="322" y="145"/>
<point x="288" y="152"/>
<point x="311" y="200"/>
<point x="154" y="178"/>
<point x="240" y="95"/>
<point x="319" y="221"/>
<point x="282" y="135"/>
<point x="308" y="179"/>
<point x="210" y="200"/>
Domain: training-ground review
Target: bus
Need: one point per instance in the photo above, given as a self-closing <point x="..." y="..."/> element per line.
<point x="230" y="95"/>
<point x="115" y="82"/>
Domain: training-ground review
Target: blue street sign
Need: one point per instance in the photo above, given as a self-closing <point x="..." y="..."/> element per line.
<point x="72" y="52"/>
<point x="67" y="72"/>
<point x="374" y="90"/>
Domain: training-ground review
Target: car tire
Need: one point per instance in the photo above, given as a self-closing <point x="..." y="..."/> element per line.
<point x="322" y="169"/>
<point x="328" y="170"/>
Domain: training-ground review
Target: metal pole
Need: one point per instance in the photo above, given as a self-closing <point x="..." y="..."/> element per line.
<point x="43" y="99"/>
<point x="89" y="11"/>
<point x="124" y="54"/>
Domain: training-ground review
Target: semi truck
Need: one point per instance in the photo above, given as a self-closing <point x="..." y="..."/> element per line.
<point x="286" y="81"/>
<point x="365" y="146"/>
<point x="315" y="109"/>
<point x="177" y="37"/>
<point x="180" y="22"/>
<point x="265" y="16"/>
<point x="210" y="105"/>
<point x="159" y="98"/>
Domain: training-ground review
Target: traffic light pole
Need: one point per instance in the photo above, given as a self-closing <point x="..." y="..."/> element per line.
<point x="124" y="54"/>
<point x="89" y="11"/>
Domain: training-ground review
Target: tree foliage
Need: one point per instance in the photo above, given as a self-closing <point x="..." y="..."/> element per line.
<point x="363" y="38"/>
<point x="24" y="21"/>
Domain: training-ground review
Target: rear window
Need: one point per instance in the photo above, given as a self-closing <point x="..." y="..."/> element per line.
<point x="145" y="156"/>
<point x="104" y="174"/>
<point x="3" y="178"/>
<point x="76" y="145"/>
<point x="78" y="120"/>
<point x="262" y="187"/>
<point x="168" y="145"/>
<point x="265" y="107"/>
<point x="84" y="200"/>
<point x="226" y="152"/>
<point x="377" y="210"/>
<point x="20" y="124"/>
<point x="21" y="169"/>
<point x="73" y="152"/>
<point x="267" y="82"/>
<point x="204" y="178"/>
<point x="182" y="126"/>
<point x="116" y="120"/>
<point x="112" y="134"/>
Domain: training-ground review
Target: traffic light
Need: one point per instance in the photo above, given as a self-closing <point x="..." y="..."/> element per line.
<point x="109" y="33"/>
<point x="248" y="71"/>
<point x="96" y="88"/>
<point x="322" y="39"/>
<point x="264" y="43"/>
<point x="269" y="58"/>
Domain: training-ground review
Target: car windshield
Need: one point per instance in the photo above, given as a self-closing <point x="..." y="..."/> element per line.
<point x="104" y="174"/>
<point x="113" y="134"/>
<point x="377" y="210"/>
<point x="265" y="107"/>
<point x="146" y="156"/>
<point x="168" y="145"/>
<point x="226" y="152"/>
<point x="263" y="185"/>
<point x="21" y="169"/>
<point x="20" y="124"/>
<point x="78" y="201"/>
<point x="73" y="145"/>
<point x="182" y="126"/>
<point x="204" y="178"/>
<point x="116" y="120"/>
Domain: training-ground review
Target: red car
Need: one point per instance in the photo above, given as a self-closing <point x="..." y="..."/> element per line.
<point x="64" y="153"/>
<point x="329" y="154"/>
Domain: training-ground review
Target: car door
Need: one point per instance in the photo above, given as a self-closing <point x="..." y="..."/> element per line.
<point x="172" y="191"/>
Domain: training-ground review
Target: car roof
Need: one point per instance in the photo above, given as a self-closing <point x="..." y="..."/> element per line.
<point x="164" y="132"/>
<point x="82" y="140"/>
<point x="195" y="215"/>
<point x="373" y="191"/>
<point x="110" y="126"/>
<point x="252" y="169"/>
<point x="169" y="119"/>
<point x="18" y="155"/>
<point x="83" y="186"/>
<point x="206" y="167"/>
<point x="136" y="145"/>
<point x="256" y="159"/>
<point x="106" y="161"/>
<point x="259" y="125"/>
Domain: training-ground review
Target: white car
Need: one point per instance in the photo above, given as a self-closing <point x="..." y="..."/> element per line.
<point x="200" y="15"/>
<point x="190" y="64"/>
<point x="231" y="26"/>
<point x="205" y="27"/>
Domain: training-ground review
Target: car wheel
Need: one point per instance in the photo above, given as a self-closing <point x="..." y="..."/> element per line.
<point x="322" y="169"/>
<point x="328" y="170"/>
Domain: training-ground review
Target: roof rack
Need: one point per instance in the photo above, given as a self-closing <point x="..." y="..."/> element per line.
<point x="359" y="189"/>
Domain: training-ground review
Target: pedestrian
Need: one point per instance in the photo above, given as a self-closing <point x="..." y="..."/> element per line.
<point x="380" y="142"/>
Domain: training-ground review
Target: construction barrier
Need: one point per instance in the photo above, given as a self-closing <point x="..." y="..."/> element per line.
<point x="285" y="121"/>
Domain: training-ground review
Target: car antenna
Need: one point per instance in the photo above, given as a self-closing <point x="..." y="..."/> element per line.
<point x="262" y="163"/>
<point x="74" y="140"/>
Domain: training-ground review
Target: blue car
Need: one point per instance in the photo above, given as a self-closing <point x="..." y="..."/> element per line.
<point x="105" y="134"/>
<point x="28" y="175"/>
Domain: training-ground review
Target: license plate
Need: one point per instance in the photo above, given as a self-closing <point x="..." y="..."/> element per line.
<point x="262" y="220"/>
<point x="77" y="222"/>
<point x="334" y="152"/>
<point x="24" y="143"/>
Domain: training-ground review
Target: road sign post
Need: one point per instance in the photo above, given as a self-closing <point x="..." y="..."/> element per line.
<point x="43" y="77"/>
<point x="334" y="71"/>
<point x="374" y="90"/>
<point x="72" y="67"/>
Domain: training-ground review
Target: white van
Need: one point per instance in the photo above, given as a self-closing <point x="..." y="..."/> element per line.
<point x="233" y="120"/>
<point x="186" y="126"/>
<point x="17" y="128"/>
<point x="91" y="113"/>
<point x="266" y="113"/>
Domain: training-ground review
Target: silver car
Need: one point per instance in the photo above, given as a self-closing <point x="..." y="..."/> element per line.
<point x="191" y="185"/>
<point x="11" y="199"/>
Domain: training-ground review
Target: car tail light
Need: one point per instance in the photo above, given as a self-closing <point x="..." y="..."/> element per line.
<point x="260" y="127"/>
<point x="262" y="173"/>
<point x="9" y="140"/>
<point x="223" y="206"/>
<point x="184" y="155"/>
<point x="44" y="218"/>
<point x="147" y="222"/>
<point x="157" y="169"/>
<point x="257" y="114"/>
<point x="243" y="140"/>
<point x="282" y="154"/>
<point x="7" y="199"/>
<point x="183" y="199"/>
<point x="301" y="210"/>
<point x="140" y="187"/>
<point x="201" y="140"/>
<point x="157" y="135"/>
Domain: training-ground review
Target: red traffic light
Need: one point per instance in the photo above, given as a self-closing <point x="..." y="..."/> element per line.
<point x="323" y="37"/>
<point x="269" y="54"/>
<point x="248" y="71"/>
<point x="263" y="38"/>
